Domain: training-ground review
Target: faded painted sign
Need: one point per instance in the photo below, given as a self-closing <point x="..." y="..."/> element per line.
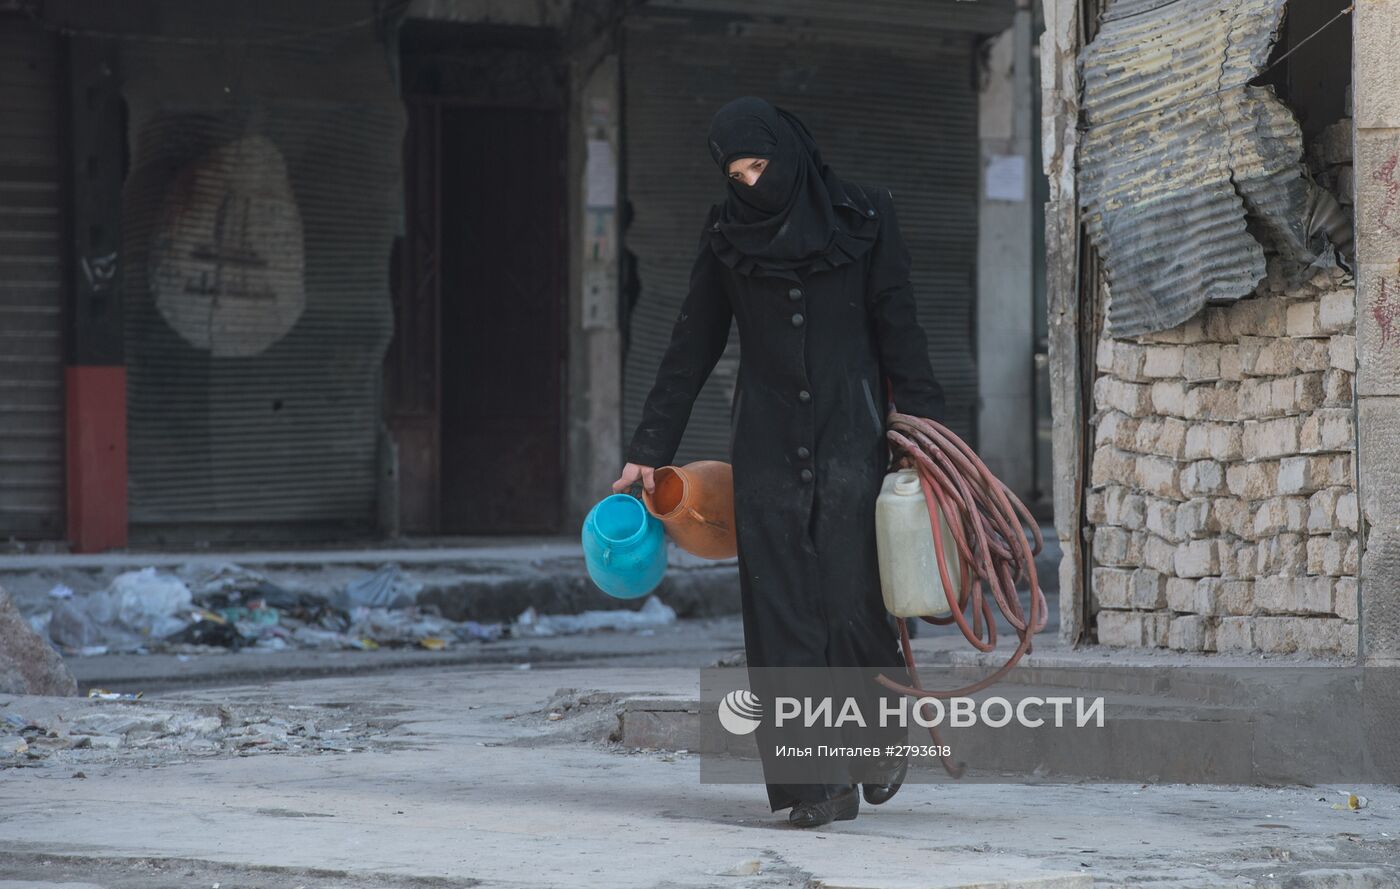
<point x="228" y="262"/>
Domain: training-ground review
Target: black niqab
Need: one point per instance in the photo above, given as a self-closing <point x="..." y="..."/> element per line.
<point x="787" y="221"/>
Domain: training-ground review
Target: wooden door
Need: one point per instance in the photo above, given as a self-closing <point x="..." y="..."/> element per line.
<point x="502" y="263"/>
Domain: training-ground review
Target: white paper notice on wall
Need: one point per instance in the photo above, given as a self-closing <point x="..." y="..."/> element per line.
<point x="1006" y="177"/>
<point x="600" y="174"/>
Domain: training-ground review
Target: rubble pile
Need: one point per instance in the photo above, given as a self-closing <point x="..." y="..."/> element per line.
<point x="27" y="665"/>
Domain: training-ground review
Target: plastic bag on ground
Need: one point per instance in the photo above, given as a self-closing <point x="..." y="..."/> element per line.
<point x="470" y="629"/>
<point x="654" y="613"/>
<point x="150" y="604"/>
<point x="140" y="606"/>
<point x="401" y="625"/>
<point x="384" y="588"/>
<point x="84" y="623"/>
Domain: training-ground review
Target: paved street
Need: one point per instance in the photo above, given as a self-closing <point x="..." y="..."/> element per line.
<point x="504" y="776"/>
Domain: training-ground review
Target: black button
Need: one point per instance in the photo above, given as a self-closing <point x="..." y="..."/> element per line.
<point x="806" y="475"/>
<point x="803" y="453"/>
<point x="795" y="293"/>
<point x="804" y="396"/>
<point x="797" y="319"/>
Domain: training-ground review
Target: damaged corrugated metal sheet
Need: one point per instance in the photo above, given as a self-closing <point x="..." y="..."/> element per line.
<point x="1178" y="152"/>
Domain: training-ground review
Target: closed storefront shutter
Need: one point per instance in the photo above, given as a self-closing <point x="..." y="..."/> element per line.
<point x="891" y="98"/>
<point x="258" y="217"/>
<point x="32" y="235"/>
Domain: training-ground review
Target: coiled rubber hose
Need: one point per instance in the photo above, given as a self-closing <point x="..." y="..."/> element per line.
<point x="985" y="519"/>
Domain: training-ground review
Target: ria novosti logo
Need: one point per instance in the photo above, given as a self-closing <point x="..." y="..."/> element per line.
<point x="740" y="712"/>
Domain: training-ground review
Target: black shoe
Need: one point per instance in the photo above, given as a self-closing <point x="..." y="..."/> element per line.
<point x="881" y="792"/>
<point x="843" y="807"/>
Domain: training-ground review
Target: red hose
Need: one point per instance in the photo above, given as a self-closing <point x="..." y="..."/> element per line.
<point x="985" y="519"/>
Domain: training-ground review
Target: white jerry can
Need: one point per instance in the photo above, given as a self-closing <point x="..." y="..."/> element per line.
<point x="909" y="576"/>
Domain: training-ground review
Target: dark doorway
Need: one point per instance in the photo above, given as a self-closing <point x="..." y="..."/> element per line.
<point x="502" y="297"/>
<point x="475" y="376"/>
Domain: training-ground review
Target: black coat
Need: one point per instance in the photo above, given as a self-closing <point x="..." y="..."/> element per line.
<point x="807" y="436"/>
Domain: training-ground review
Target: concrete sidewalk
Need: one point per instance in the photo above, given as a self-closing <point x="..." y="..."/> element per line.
<point x="694" y="643"/>
<point x="508" y="778"/>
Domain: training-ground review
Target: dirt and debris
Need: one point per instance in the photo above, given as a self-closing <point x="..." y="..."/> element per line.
<point x="139" y="872"/>
<point x="653" y="613"/>
<point x="27" y="664"/>
<point x="229" y="608"/>
<point x="67" y="733"/>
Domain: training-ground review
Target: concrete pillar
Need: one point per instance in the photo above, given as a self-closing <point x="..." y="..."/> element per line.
<point x="1376" y="91"/>
<point x="595" y="343"/>
<point x="1005" y="280"/>
<point x="95" y="379"/>
<point x="1059" y="84"/>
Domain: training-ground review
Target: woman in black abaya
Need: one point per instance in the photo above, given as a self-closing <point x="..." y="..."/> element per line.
<point x="814" y="270"/>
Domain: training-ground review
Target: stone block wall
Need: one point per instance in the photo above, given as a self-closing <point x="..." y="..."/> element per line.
<point x="1222" y="493"/>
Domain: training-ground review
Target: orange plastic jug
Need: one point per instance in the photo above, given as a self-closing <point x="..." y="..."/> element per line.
<point x="696" y="504"/>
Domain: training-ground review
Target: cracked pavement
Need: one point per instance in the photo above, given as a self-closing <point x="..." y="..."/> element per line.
<point x="505" y="776"/>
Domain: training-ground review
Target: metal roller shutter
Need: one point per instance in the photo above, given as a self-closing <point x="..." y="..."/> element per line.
<point x="890" y="104"/>
<point x="31" y="285"/>
<point x="258" y="217"/>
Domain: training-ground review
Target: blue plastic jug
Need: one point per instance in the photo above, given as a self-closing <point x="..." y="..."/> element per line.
<point x="624" y="547"/>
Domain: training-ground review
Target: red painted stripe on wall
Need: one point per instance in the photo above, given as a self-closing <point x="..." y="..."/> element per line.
<point x="96" y="424"/>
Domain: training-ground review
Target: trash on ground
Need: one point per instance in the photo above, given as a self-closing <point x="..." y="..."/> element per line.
<point x="103" y="694"/>
<point x="228" y="608"/>
<point x="148" y="603"/>
<point x="745" y="868"/>
<point x="384" y="588"/>
<point x="90" y="622"/>
<point x="209" y="630"/>
<point x="654" y="613"/>
<point x="1352" y="803"/>
<point x="39" y="623"/>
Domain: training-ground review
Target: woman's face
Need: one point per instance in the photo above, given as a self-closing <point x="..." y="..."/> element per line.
<point x="747" y="169"/>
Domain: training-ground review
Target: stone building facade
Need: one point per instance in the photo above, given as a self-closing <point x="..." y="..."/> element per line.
<point x="1222" y="488"/>
<point x="1232" y="484"/>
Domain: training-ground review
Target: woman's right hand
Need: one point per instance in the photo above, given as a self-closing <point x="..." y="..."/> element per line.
<point x="630" y="473"/>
